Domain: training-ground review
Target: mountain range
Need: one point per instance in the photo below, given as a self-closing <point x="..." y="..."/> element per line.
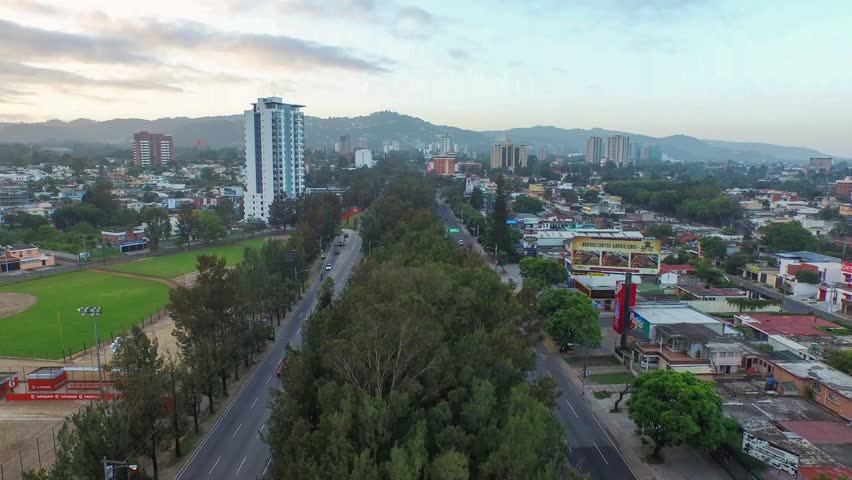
<point x="378" y="127"/>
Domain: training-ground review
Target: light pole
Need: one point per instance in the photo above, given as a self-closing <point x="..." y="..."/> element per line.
<point x="321" y="242"/>
<point x="111" y="466"/>
<point x="370" y="245"/>
<point x="94" y="312"/>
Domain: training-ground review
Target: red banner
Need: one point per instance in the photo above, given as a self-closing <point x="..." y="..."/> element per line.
<point x="34" y="397"/>
<point x="349" y="214"/>
<point x="618" y="305"/>
<point x="846" y="267"/>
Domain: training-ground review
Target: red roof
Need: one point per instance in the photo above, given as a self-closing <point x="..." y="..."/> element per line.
<point x="676" y="268"/>
<point x="820" y="432"/>
<point x="796" y="325"/>
<point x="686" y="237"/>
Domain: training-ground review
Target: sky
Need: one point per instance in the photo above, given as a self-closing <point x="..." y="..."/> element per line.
<point x="772" y="71"/>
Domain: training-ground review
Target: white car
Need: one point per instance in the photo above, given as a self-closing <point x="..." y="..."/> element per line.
<point x="461" y="242"/>
<point x="116" y="344"/>
<point x="328" y="266"/>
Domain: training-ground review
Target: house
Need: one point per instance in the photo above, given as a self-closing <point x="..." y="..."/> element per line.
<point x="669" y="274"/>
<point x="646" y="317"/>
<point x="828" y="387"/>
<point x="24" y="256"/>
<point x="126" y="240"/>
<point x="828" y="268"/>
<point x="700" y="292"/>
<point x="690" y="347"/>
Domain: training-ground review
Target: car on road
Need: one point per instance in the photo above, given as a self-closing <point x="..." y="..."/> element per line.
<point x="337" y="251"/>
<point x="341" y="243"/>
<point x="280" y="369"/>
<point x="461" y="242"/>
<point x="328" y="266"/>
<point x="345" y="235"/>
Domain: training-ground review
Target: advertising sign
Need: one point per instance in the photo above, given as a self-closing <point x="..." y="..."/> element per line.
<point x="453" y="230"/>
<point x="511" y="221"/>
<point x="770" y="454"/>
<point x="615" y="255"/>
<point x="618" y="305"/>
<point x="34" y="397"/>
<point x="846" y="267"/>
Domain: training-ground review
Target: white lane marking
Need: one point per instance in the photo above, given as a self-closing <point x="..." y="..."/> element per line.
<point x="599" y="451"/>
<point x="214" y="466"/>
<point x="568" y="445"/>
<point x="241" y="465"/>
<point x="548" y="372"/>
<point x="268" y="379"/>
<point x="572" y="408"/>
<point x="299" y="331"/>
<point x="260" y="431"/>
<point x="252" y="403"/>
<point x="266" y="467"/>
<point x="237" y="430"/>
<point x="542" y="356"/>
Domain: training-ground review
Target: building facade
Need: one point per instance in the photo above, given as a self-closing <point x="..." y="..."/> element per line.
<point x="444" y="166"/>
<point x="507" y="155"/>
<point x="820" y="164"/>
<point x="152" y="149"/>
<point x="446" y="145"/>
<point x="618" y="150"/>
<point x="275" y="154"/>
<point x="594" y="150"/>
<point x="363" y="158"/>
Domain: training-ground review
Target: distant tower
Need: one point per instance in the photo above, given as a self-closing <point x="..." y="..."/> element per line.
<point x="618" y="150"/>
<point x="152" y="149"/>
<point x="594" y="150"/>
<point x="446" y="145"/>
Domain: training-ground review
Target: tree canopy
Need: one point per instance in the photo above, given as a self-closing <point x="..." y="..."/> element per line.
<point x="570" y="318"/>
<point x="713" y="248"/>
<point x="788" y="236"/>
<point x="527" y="204"/>
<point x="549" y="271"/>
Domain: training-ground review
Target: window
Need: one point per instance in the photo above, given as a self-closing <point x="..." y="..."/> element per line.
<point x="833" y="398"/>
<point x="816" y="388"/>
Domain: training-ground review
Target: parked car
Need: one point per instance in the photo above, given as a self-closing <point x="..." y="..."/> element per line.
<point x="280" y="369"/>
<point x="328" y="266"/>
<point x="461" y="242"/>
<point x="337" y="251"/>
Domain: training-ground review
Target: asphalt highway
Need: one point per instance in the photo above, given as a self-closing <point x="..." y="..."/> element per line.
<point x="234" y="448"/>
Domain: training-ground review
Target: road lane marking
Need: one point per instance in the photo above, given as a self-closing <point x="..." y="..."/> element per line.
<point x="572" y="409"/>
<point x="237" y="430"/>
<point x="252" y="403"/>
<point x="241" y="465"/>
<point x="542" y="356"/>
<point x="548" y="372"/>
<point x="266" y="467"/>
<point x="299" y="331"/>
<point x="568" y="445"/>
<point x="260" y="431"/>
<point x="599" y="451"/>
<point x="214" y="466"/>
<point x="268" y="379"/>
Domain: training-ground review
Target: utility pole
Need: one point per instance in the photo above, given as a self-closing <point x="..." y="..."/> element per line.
<point x="94" y="312"/>
<point x="625" y="312"/>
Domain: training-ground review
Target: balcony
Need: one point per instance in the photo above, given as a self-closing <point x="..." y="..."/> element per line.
<point x="671" y="357"/>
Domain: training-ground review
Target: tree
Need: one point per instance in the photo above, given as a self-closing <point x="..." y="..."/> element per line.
<point x="571" y="318"/>
<point x="524" y="203"/>
<point x="841" y="360"/>
<point x="159" y="226"/>
<point x="187" y="224"/>
<point x="591" y="196"/>
<point x="808" y="276"/>
<point x="476" y="199"/>
<point x="227" y="212"/>
<point x="750" y="304"/>
<point x="549" y="271"/>
<point x="830" y="213"/>
<point x="326" y="296"/>
<point x="499" y="231"/>
<point x="660" y="230"/>
<point x="569" y="196"/>
<point x="713" y="248"/>
<point x="210" y="226"/>
<point x="789" y="236"/>
<point x="676" y="408"/>
<point x="137" y="372"/>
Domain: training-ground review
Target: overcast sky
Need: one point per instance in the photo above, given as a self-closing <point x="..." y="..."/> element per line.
<point x="764" y="71"/>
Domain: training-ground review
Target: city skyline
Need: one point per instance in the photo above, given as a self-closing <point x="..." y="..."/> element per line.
<point x="655" y="68"/>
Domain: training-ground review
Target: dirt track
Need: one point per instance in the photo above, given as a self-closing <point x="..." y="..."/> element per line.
<point x="12" y="303"/>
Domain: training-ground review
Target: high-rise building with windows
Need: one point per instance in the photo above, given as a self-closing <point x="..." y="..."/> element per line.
<point x="446" y="145"/>
<point x="507" y="155"/>
<point x="152" y="149"/>
<point x="618" y="150"/>
<point x="275" y="154"/>
<point x="594" y="150"/>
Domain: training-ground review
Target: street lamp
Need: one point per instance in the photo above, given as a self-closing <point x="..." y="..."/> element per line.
<point x="94" y="312"/>
<point x="112" y="466"/>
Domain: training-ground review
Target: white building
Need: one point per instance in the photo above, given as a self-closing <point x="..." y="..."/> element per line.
<point x="618" y="150"/>
<point x="446" y="145"/>
<point x="363" y="158"/>
<point x="275" y="154"/>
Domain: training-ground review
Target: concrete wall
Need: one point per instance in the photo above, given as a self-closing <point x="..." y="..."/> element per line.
<point x="721" y="306"/>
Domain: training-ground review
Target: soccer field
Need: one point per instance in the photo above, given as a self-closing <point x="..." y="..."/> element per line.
<point x="173" y="266"/>
<point x="53" y="325"/>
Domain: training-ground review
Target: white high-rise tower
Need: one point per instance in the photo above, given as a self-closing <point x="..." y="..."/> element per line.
<point x="275" y="154"/>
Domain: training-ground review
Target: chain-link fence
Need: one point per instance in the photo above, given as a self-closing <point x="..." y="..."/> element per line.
<point x="38" y="451"/>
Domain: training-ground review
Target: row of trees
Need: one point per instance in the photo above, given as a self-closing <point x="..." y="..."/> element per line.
<point x="700" y="201"/>
<point x="417" y="370"/>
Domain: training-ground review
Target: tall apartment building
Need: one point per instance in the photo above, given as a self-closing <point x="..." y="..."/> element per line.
<point x="618" y="150"/>
<point x="345" y="145"/>
<point x="152" y="149"/>
<point x="594" y="150"/>
<point x="446" y="145"/>
<point x="444" y="165"/>
<point x="507" y="155"/>
<point x="820" y="164"/>
<point x="275" y="154"/>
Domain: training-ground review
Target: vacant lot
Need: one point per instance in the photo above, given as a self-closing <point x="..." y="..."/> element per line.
<point x="173" y="266"/>
<point x="53" y="326"/>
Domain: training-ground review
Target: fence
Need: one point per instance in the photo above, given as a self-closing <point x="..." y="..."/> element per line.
<point x="37" y="451"/>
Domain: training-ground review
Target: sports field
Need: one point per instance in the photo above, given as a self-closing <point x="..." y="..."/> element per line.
<point x="173" y="266"/>
<point x="53" y="325"/>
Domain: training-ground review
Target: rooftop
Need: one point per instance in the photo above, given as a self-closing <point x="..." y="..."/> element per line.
<point x="667" y="314"/>
<point x="834" y="379"/>
<point x="790" y="325"/>
<point x="819" y="431"/>
<point x="603" y="281"/>
<point x="702" y="291"/>
<point x="695" y="333"/>
<point x="805" y="256"/>
<point x="22" y="246"/>
<point x="676" y="268"/>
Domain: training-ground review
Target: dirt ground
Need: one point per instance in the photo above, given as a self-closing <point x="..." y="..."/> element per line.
<point x="12" y="303"/>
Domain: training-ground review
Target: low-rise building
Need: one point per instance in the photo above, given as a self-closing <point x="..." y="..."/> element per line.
<point x="826" y="386"/>
<point x="125" y="240"/>
<point x="24" y="256"/>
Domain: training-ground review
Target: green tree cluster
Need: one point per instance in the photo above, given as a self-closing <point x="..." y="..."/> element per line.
<point x="570" y="318"/>
<point x="786" y="237"/>
<point x="527" y="204"/>
<point x="546" y="270"/>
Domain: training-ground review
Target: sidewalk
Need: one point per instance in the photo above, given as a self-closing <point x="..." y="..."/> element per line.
<point x="681" y="463"/>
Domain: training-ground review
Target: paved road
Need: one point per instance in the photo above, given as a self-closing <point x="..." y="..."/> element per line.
<point x="789" y="304"/>
<point x="234" y="449"/>
<point x="590" y="448"/>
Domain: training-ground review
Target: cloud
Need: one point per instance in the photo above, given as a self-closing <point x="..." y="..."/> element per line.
<point x="20" y="74"/>
<point x="413" y="22"/>
<point x="21" y="41"/>
<point x="459" y="54"/>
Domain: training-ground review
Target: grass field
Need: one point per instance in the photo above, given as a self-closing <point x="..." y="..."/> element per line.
<point x="172" y="266"/>
<point x="53" y="325"/>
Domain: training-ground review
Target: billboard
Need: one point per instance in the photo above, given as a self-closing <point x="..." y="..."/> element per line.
<point x="846" y="267"/>
<point x="618" y="305"/>
<point x="615" y="255"/>
<point x="770" y="454"/>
